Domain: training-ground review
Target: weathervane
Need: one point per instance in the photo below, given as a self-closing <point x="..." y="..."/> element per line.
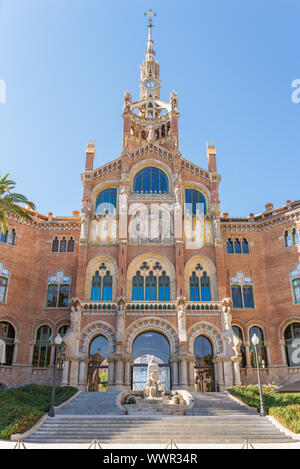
<point x="150" y="14"/>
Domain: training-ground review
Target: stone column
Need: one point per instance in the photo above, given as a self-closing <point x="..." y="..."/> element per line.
<point x="283" y="352"/>
<point x="127" y="380"/>
<point x="15" y="354"/>
<point x="119" y="381"/>
<point x="247" y="351"/>
<point x="268" y="354"/>
<point x="52" y="354"/>
<point x="220" y="374"/>
<point x="82" y="374"/>
<point x="237" y="372"/>
<point x="174" y="365"/>
<point x="65" y="376"/>
<point x="228" y="373"/>
<point x="111" y="372"/>
<point x="191" y="373"/>
<point x="74" y="373"/>
<point x="183" y="372"/>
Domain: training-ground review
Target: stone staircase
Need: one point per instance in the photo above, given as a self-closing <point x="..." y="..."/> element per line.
<point x="217" y="420"/>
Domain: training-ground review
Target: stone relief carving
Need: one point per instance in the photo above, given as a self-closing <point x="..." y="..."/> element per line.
<point x="71" y="340"/>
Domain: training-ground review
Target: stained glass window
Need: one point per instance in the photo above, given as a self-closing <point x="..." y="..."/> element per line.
<point x="248" y="296"/>
<point x="194" y="288"/>
<point x="205" y="287"/>
<point x="71" y="245"/>
<point x="295" y="236"/>
<point x="237" y="246"/>
<point x="42" y="348"/>
<point x="291" y="334"/>
<point x="296" y="287"/>
<point x="96" y="287"/>
<point x="63" y="297"/>
<point x="236" y="293"/>
<point x="3" y="289"/>
<point x="7" y="339"/>
<point x="3" y="236"/>
<point x="55" y="245"/>
<point x="151" y="179"/>
<point x="164" y="287"/>
<point x="138" y="287"/>
<point x="195" y="202"/>
<point x="106" y="201"/>
<point x="52" y="296"/>
<point x="287" y="239"/>
<point x="107" y="287"/>
<point x="245" y="246"/>
<point x="151" y="287"/>
<point x="63" y="245"/>
<point x="261" y="349"/>
<point x="11" y="239"/>
<point x="229" y="246"/>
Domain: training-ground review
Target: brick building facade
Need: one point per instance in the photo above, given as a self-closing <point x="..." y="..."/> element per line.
<point x="149" y="269"/>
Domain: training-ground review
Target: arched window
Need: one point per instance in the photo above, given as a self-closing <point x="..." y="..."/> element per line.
<point x="164" y="287"/>
<point x="107" y="287"/>
<point x="205" y="287"/>
<point x="248" y="297"/>
<point x="291" y="334"/>
<point x="58" y="293"/>
<point x="144" y="347"/>
<point x="42" y="348"/>
<point x="55" y="245"/>
<point x="245" y="246"/>
<point x="237" y="247"/>
<point x="194" y="202"/>
<point x="3" y="289"/>
<point x="63" y="245"/>
<point x="3" y="236"/>
<point x="151" y="179"/>
<point x="151" y="287"/>
<point x="102" y="285"/>
<point x="11" y="238"/>
<point x="71" y="245"/>
<point x="7" y="340"/>
<point x="203" y="351"/>
<point x="236" y="293"/>
<point x="239" y="333"/>
<point x="106" y="201"/>
<point x="229" y="245"/>
<point x="295" y="237"/>
<point x="138" y="287"/>
<point x="287" y="239"/>
<point x="296" y="288"/>
<point x="64" y="330"/>
<point x="194" y="288"/>
<point x="96" y="287"/>
<point x="261" y="349"/>
<point x="242" y="296"/>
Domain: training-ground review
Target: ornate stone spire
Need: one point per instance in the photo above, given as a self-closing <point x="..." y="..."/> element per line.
<point x="150" y="82"/>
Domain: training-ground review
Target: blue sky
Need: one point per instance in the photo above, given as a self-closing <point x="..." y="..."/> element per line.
<point x="67" y="63"/>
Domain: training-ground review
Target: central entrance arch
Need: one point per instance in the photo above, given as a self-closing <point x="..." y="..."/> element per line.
<point x="204" y="367"/>
<point x="98" y="367"/>
<point x="146" y="345"/>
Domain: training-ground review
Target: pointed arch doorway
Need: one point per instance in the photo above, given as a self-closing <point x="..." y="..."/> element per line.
<point x="145" y="346"/>
<point x="204" y="366"/>
<point x="97" y="380"/>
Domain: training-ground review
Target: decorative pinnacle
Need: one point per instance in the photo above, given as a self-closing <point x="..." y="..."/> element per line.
<point x="150" y="14"/>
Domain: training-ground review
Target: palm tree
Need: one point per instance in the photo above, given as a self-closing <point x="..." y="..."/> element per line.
<point x="9" y="202"/>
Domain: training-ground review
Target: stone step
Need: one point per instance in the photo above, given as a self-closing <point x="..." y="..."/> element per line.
<point x="155" y="441"/>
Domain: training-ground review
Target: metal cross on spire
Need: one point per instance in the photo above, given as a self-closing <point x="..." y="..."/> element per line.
<point x="150" y="15"/>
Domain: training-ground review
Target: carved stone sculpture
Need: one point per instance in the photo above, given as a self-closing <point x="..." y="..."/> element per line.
<point x="154" y="388"/>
